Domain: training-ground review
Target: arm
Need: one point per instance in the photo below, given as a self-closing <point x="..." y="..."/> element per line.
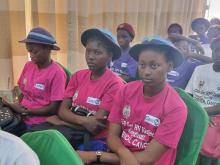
<point x="154" y="151"/>
<point x="202" y="58"/>
<point x="45" y="110"/>
<point x="213" y="110"/>
<point x="93" y="124"/>
<point x="126" y="156"/>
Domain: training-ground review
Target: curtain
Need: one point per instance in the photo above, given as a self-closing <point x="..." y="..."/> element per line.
<point x="67" y="19"/>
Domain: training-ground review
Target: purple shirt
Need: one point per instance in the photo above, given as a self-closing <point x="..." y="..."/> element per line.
<point x="180" y="76"/>
<point x="125" y="65"/>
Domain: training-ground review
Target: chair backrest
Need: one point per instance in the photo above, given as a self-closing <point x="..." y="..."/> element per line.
<point x="52" y="148"/>
<point x="68" y="73"/>
<point x="193" y="133"/>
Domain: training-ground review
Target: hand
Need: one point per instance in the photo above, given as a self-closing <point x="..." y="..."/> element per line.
<point x="14" y="106"/>
<point x="94" y="124"/>
<point x="87" y="157"/>
<point x="128" y="158"/>
<point x="199" y="49"/>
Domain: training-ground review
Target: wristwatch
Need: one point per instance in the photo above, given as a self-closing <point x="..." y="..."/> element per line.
<point x="98" y="156"/>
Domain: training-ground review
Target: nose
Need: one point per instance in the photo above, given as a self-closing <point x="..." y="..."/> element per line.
<point x="147" y="71"/>
<point x="90" y="56"/>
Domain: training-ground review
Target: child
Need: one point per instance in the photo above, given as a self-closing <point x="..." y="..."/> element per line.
<point x="42" y="81"/>
<point x="200" y="26"/>
<point x="204" y="87"/>
<point x="125" y="66"/>
<point x="180" y="76"/>
<point x="148" y="116"/>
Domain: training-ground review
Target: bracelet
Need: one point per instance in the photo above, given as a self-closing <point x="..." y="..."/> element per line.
<point x="25" y="111"/>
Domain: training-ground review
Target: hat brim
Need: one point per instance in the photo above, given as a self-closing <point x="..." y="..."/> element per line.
<point x="95" y="32"/>
<point x="54" y="47"/>
<point x="175" y="55"/>
<point x="200" y="20"/>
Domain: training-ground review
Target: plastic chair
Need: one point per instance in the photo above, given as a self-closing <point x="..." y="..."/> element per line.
<point x="52" y="148"/>
<point x="194" y="131"/>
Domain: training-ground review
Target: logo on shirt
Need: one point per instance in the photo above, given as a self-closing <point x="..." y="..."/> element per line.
<point x="40" y="86"/>
<point x="93" y="101"/>
<point x="201" y="84"/>
<point x="152" y="120"/>
<point x="126" y="111"/>
<point x="75" y="96"/>
<point x="173" y="73"/>
<point x="124" y="65"/>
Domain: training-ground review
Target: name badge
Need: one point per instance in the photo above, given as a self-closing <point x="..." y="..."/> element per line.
<point x="39" y="86"/>
<point x="124" y="65"/>
<point x="93" y="101"/>
<point x="152" y="120"/>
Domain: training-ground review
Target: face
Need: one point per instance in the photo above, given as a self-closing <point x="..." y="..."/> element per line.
<point x="39" y="54"/>
<point x="216" y="53"/>
<point x="183" y="46"/>
<point x="174" y="29"/>
<point x="97" y="56"/>
<point x="153" y="68"/>
<point x="123" y="38"/>
<point x="200" y="28"/>
<point x="212" y="33"/>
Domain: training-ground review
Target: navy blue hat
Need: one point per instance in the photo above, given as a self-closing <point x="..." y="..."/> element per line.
<point x="107" y="36"/>
<point x="200" y="21"/>
<point x="156" y="41"/>
<point x="39" y="35"/>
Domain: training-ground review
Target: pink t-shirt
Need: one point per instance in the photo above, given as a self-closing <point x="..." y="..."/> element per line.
<point x="40" y="87"/>
<point x="93" y="95"/>
<point x="142" y="118"/>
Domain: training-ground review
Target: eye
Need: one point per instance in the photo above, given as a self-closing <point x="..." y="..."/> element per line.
<point x="97" y="52"/>
<point x="141" y="65"/>
<point x="155" y="66"/>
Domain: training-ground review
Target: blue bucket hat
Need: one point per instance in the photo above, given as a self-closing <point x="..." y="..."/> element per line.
<point x="39" y="35"/>
<point x="156" y="41"/>
<point x="107" y="36"/>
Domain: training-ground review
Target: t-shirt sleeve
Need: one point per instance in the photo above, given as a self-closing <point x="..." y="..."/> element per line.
<point x="189" y="87"/>
<point x="170" y="129"/>
<point x="116" y="109"/>
<point x="58" y="86"/>
<point x="108" y="97"/>
<point x="22" y="75"/>
<point x="71" y="87"/>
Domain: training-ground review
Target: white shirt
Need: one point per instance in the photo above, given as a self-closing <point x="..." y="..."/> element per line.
<point x="204" y="85"/>
<point x="13" y="151"/>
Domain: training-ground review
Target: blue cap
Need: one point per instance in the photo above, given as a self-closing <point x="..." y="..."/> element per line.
<point x="39" y="35"/>
<point x="164" y="44"/>
<point x="107" y="36"/>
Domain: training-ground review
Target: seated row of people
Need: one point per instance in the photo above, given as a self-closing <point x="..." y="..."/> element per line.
<point x="133" y="130"/>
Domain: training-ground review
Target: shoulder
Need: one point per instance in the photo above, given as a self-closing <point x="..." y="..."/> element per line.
<point x="173" y="100"/>
<point x="132" y="88"/>
<point x="202" y="68"/>
<point x="111" y="77"/>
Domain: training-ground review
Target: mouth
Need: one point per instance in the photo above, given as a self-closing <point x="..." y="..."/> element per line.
<point x="91" y="65"/>
<point x="146" y="80"/>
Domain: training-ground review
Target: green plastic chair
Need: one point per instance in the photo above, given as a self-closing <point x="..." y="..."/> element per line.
<point x="52" y="148"/>
<point x="193" y="133"/>
<point x="68" y="73"/>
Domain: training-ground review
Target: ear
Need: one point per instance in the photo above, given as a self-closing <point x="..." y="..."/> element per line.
<point x="170" y="67"/>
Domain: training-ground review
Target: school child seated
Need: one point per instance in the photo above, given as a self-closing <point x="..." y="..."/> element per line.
<point x="125" y="66"/>
<point x="200" y="27"/>
<point x="42" y="81"/>
<point x="180" y="76"/>
<point x="148" y="116"/>
<point x="204" y="87"/>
